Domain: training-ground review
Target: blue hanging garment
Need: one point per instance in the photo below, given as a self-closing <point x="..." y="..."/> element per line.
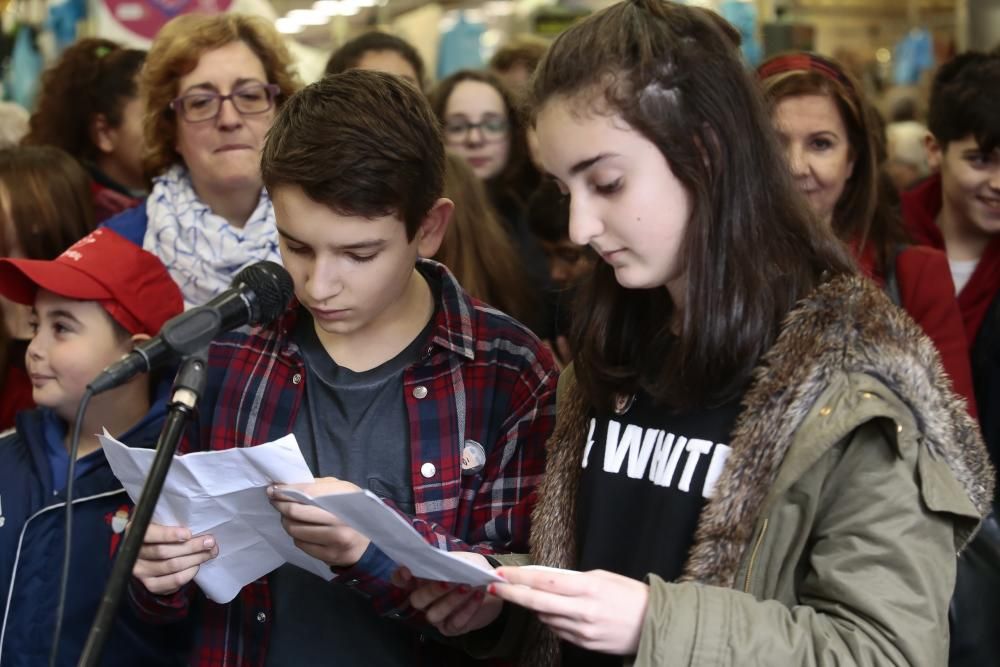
<point x="743" y="16"/>
<point x="461" y="47"/>
<point x="913" y="56"/>
<point x="25" y="68"/>
<point x="63" y="18"/>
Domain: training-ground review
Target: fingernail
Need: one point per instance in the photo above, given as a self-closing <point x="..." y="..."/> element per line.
<point x="270" y="492"/>
<point x="492" y="589"/>
<point x="209" y="542"/>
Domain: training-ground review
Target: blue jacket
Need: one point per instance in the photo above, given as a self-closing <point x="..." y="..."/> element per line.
<point x="131" y="223"/>
<point x="31" y="552"/>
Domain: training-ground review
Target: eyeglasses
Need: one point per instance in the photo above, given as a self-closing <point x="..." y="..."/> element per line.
<point x="248" y="100"/>
<point x="492" y="128"/>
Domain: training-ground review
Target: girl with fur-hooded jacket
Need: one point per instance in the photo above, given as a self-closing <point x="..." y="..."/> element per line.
<point x="758" y="459"/>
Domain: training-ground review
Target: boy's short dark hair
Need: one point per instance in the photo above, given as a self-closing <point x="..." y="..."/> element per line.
<point x="362" y="143"/>
<point x="349" y="55"/>
<point x="964" y="100"/>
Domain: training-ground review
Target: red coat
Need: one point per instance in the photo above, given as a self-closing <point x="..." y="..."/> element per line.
<point x="921" y="206"/>
<point x="927" y="293"/>
<point x="15" y="387"/>
<point x="109" y="202"/>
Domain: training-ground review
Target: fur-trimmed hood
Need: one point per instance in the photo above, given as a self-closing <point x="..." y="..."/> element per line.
<point x="846" y="326"/>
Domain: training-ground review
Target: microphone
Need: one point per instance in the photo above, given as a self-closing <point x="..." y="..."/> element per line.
<point x="258" y="295"/>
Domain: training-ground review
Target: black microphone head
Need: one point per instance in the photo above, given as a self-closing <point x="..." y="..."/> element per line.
<point x="271" y="288"/>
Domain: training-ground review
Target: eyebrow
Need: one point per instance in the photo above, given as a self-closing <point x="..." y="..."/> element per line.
<point x="584" y="165"/>
<point x="55" y="314"/>
<point x="211" y="86"/>
<point x="357" y="245"/>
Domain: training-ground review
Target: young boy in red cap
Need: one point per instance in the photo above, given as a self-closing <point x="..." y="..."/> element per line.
<point x="90" y="306"/>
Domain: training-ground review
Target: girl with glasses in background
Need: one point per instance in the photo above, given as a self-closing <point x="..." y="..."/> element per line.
<point x="480" y="123"/>
<point x="211" y="86"/>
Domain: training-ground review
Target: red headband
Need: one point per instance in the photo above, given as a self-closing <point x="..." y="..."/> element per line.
<point x="807" y="62"/>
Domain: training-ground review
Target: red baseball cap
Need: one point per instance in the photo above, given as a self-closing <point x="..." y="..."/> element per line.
<point x="132" y="285"/>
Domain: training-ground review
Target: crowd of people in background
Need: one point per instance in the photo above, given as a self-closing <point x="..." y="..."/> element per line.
<point x="718" y="347"/>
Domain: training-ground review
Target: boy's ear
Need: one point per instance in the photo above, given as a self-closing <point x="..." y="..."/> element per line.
<point x="101" y="133"/>
<point x="138" y="338"/>
<point x="433" y="228"/>
<point x="935" y="154"/>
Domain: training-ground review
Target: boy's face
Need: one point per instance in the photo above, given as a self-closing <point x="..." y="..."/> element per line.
<point x="350" y="272"/>
<point x="970" y="183"/>
<point x="73" y="341"/>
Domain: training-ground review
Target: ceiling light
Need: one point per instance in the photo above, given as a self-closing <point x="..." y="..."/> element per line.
<point x="287" y="26"/>
<point x="308" y="17"/>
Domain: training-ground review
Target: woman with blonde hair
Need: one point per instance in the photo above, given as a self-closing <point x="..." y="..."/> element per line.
<point x="478" y="251"/>
<point x="211" y="85"/>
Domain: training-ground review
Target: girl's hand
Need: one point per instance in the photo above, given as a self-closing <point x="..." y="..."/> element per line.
<point x="597" y="610"/>
<point x="451" y="608"/>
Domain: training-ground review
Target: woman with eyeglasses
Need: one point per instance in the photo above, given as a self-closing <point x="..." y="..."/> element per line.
<point x="211" y="85"/>
<point x="480" y="124"/>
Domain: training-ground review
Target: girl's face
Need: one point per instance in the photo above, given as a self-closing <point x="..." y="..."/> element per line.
<point x="121" y="147"/>
<point x="625" y="201"/>
<point x="817" y="148"/>
<point x="476" y="127"/>
<point x="129" y="142"/>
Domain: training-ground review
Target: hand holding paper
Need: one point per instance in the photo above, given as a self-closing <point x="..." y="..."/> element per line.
<point x="317" y="532"/>
<point x="397" y="538"/>
<point x="452" y="609"/>
<point x="221" y="494"/>
<point x="170" y="558"/>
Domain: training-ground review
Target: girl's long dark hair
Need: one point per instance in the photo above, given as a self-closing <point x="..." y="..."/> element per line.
<point x="750" y="251"/>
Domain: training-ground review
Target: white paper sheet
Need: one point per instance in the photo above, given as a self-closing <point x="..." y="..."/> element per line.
<point x="224" y="493"/>
<point x="397" y="538"/>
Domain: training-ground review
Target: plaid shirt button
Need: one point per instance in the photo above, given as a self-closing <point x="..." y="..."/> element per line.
<point x="428" y="470"/>
<point x="420" y="392"/>
<point x="261" y="617"/>
<point x="297" y="378"/>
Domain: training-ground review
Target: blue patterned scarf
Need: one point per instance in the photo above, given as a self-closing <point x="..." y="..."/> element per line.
<point x="202" y="250"/>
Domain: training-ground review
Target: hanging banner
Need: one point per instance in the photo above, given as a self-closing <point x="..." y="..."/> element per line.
<point x="136" y="22"/>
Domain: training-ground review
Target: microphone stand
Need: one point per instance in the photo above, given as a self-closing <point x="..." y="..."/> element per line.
<point x="188" y="386"/>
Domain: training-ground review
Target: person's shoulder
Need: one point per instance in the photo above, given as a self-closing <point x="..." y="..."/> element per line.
<point x="130" y="223"/>
<point x="248" y="340"/>
<point x="15" y="443"/>
<point x="930" y="264"/>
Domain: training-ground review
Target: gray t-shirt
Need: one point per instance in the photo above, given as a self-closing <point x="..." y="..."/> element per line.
<point x="352" y="426"/>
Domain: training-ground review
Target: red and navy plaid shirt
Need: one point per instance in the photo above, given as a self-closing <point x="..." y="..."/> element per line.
<point x="482" y="377"/>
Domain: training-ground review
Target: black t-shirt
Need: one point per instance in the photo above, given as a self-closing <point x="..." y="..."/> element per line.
<point x="646" y="476"/>
<point x="352" y="426"/>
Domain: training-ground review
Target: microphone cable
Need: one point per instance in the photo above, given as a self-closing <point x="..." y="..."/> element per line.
<point x="70" y="474"/>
